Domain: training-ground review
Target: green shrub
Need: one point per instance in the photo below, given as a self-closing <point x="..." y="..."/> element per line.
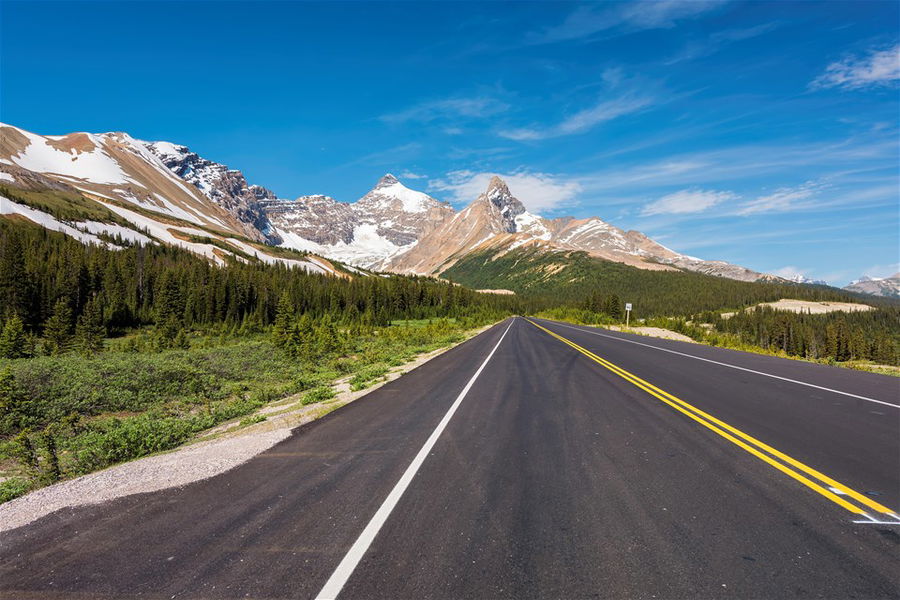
<point x="13" y="488"/>
<point x="252" y="419"/>
<point x="320" y="394"/>
<point x="367" y="375"/>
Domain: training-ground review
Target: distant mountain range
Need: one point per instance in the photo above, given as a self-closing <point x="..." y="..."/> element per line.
<point x="168" y="194"/>
<point x="877" y="286"/>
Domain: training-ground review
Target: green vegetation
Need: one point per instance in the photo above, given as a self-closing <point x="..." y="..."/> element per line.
<point x="65" y="206"/>
<point x="837" y="336"/>
<point x="545" y="280"/>
<point x="572" y="286"/>
<point x="108" y="355"/>
<point x="860" y="340"/>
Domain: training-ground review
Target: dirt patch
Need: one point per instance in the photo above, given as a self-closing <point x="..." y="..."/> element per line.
<point x="79" y="142"/>
<point x="656" y="332"/>
<point x="817" y="308"/>
<point x="806" y="306"/>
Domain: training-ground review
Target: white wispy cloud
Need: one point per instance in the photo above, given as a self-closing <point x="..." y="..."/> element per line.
<point x="877" y="68"/>
<point x="588" y="21"/>
<point x="448" y="109"/>
<point x="586" y="119"/>
<point x="718" y="40"/>
<point x="407" y="174"/>
<point x="537" y="191"/>
<point x="783" y="199"/>
<point x="687" y="201"/>
<point x="882" y="271"/>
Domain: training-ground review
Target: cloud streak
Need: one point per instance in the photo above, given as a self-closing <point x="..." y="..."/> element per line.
<point x="589" y="21"/>
<point x="584" y="120"/>
<point x="686" y="202"/>
<point x="877" y="68"/>
<point x="783" y="199"/>
<point x="537" y="191"/>
<point x="448" y="109"/>
<point x="719" y="40"/>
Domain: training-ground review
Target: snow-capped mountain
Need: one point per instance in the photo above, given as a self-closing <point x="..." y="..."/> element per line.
<point x="806" y="280"/>
<point x="226" y="187"/>
<point x="122" y="176"/>
<point x="876" y="286"/>
<point x="179" y="197"/>
<point x="114" y="166"/>
<point x="383" y="223"/>
<point x="497" y="219"/>
<point x="399" y="214"/>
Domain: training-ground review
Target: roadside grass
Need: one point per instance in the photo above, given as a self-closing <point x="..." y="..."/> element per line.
<point x="319" y="394"/>
<point x="419" y="322"/>
<point x="368" y="375"/>
<point x="64" y="416"/>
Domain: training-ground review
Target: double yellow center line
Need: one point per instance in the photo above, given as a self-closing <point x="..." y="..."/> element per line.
<point x="837" y="492"/>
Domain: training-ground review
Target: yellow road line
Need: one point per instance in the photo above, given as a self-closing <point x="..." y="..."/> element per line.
<point x="720" y="427"/>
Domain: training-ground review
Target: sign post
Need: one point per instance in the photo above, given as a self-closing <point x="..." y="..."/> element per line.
<point x="627" y="313"/>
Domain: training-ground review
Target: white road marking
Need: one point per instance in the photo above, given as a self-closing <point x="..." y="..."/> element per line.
<point x="873" y="521"/>
<point x="818" y="387"/>
<point x="346" y="567"/>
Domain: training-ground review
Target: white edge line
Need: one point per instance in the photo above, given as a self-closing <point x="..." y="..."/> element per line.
<point x="345" y="569"/>
<point x="715" y="362"/>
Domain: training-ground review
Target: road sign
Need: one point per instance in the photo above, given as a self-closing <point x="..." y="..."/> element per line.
<point x="628" y="306"/>
<point x="627" y="314"/>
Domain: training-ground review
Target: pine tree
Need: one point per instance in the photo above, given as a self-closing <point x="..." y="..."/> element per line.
<point x="613" y="307"/>
<point x="14" y="288"/>
<point x="284" y="315"/>
<point x="89" y="331"/>
<point x="13" y="341"/>
<point x="58" y="328"/>
<point x="10" y="402"/>
<point x="181" y="340"/>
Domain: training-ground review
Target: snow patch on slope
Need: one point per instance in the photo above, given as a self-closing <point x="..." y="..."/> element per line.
<point x="161" y="231"/>
<point x="532" y="225"/>
<point x="367" y="249"/>
<point x="48" y="221"/>
<point x="306" y="265"/>
<point x="95" y="166"/>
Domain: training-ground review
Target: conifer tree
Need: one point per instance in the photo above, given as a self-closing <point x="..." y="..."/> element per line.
<point x="10" y="402"/>
<point x="613" y="307"/>
<point x="14" y="292"/>
<point x="89" y="331"/>
<point x="58" y="328"/>
<point x="13" y="340"/>
<point x="284" y="314"/>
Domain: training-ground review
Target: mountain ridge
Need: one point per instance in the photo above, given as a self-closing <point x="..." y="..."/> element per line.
<point x="391" y="227"/>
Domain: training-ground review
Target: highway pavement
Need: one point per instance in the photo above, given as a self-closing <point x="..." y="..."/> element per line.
<point x="536" y="460"/>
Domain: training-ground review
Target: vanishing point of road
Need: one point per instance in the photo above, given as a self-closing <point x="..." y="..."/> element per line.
<point x="536" y="460"/>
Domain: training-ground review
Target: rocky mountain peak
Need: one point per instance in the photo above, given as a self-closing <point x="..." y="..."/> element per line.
<point x="226" y="187"/>
<point x="386" y="181"/>
<point x="502" y="204"/>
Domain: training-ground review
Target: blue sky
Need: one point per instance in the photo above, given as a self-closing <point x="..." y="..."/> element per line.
<point x="764" y="134"/>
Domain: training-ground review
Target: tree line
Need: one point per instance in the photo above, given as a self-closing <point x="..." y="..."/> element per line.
<point x="866" y="335"/>
<point x="57" y="294"/>
<point x="544" y="280"/>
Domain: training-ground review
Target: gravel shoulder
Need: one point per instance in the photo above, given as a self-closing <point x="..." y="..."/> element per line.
<point x="212" y="453"/>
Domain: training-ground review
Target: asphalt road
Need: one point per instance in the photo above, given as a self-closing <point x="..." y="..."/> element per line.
<point x="600" y="465"/>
